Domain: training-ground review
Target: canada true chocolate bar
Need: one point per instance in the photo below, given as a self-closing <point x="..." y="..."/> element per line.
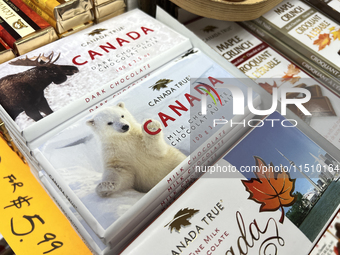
<point x="166" y="97"/>
<point x="6" y="52"/>
<point x="92" y="64"/>
<point x="307" y="30"/>
<point x="22" y="29"/>
<point x="233" y="210"/>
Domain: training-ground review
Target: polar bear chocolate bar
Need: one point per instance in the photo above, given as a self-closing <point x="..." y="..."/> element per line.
<point x="121" y="136"/>
<point x="139" y="148"/>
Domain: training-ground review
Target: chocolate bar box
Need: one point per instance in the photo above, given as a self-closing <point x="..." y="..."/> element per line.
<point x="269" y="69"/>
<point x="158" y="133"/>
<point x="247" y="203"/>
<point x="307" y="30"/>
<point x="88" y="66"/>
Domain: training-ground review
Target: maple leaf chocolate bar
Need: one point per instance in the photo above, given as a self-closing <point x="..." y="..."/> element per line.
<point x="6" y="52"/>
<point x="307" y="30"/>
<point x="22" y="29"/>
<point x="234" y="210"/>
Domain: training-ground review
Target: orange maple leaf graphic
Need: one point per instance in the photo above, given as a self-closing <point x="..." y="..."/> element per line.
<point x="268" y="87"/>
<point x="273" y="190"/>
<point x="323" y="41"/>
<point x="290" y="74"/>
<point x="336" y="34"/>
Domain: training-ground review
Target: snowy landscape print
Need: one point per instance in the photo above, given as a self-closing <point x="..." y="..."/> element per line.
<point x="75" y="153"/>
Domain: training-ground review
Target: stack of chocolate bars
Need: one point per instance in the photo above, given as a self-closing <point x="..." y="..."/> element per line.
<point x="106" y="9"/>
<point x="22" y="29"/>
<point x="318" y="105"/>
<point x="6" y="136"/>
<point x="66" y="16"/>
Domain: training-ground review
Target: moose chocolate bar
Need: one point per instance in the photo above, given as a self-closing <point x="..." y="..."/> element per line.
<point x="270" y="69"/>
<point x="22" y="29"/>
<point x="308" y="31"/>
<point x="84" y="68"/>
<point x="61" y="26"/>
<point x="330" y="7"/>
<point x="6" y="52"/>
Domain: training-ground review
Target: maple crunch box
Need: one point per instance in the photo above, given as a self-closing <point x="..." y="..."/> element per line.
<point x="269" y="69"/>
<point x="305" y="29"/>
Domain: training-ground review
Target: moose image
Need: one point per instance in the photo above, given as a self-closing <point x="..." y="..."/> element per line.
<point x="24" y="92"/>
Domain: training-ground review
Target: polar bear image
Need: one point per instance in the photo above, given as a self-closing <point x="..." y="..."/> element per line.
<point x="132" y="158"/>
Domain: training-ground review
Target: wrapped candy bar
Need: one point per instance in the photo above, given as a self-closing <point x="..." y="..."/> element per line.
<point x="22" y="29"/>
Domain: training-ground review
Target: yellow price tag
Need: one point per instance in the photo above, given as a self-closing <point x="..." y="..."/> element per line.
<point x="30" y="221"/>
